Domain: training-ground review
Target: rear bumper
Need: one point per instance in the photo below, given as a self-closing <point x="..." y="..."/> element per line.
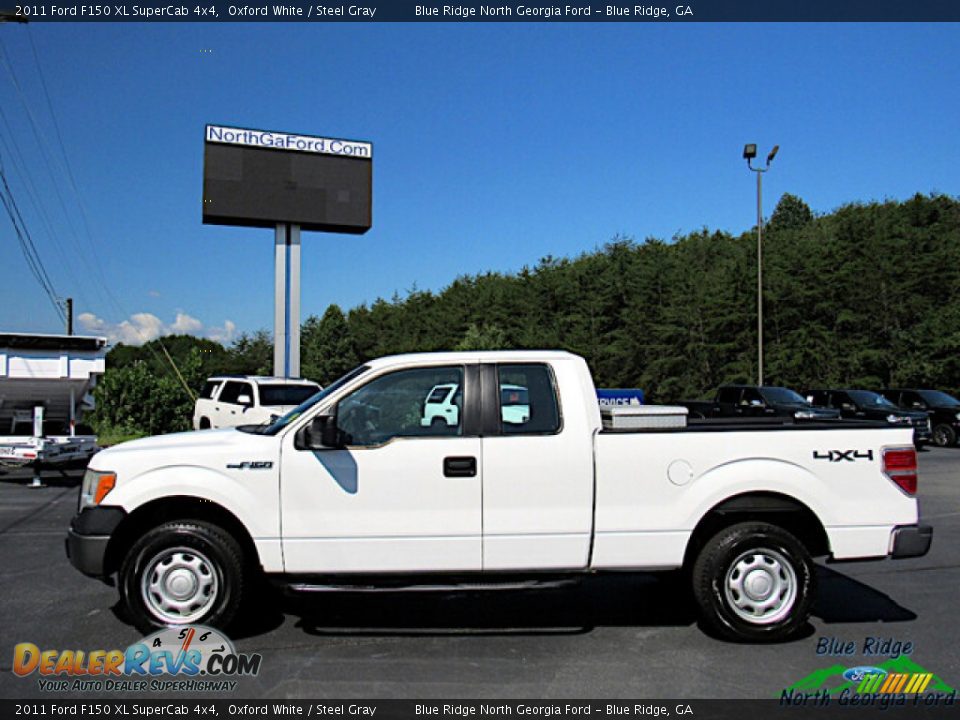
<point x="911" y="541"/>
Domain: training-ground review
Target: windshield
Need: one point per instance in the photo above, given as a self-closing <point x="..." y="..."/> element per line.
<point x="286" y="394"/>
<point x="782" y="395"/>
<point x="865" y="398"/>
<point x="300" y="409"/>
<point x="935" y="397"/>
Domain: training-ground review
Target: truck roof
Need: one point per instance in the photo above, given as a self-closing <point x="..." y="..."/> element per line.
<point x="472" y="356"/>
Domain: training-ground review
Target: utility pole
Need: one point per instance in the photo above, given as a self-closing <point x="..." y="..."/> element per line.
<point x="69" y="308"/>
<point x="749" y="153"/>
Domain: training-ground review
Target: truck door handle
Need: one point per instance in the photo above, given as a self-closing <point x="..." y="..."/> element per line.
<point x="460" y="467"/>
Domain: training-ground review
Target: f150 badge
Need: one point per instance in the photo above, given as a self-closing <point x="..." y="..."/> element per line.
<point x="251" y="465"/>
<point x="840" y="455"/>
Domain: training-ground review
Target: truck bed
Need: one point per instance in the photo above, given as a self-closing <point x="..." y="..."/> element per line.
<point x="765" y="423"/>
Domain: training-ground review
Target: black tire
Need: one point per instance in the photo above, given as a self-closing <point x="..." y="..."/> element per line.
<point x="438" y="421"/>
<point x="204" y="423"/>
<point x="772" y="557"/>
<point x="196" y="552"/>
<point x="944" y="436"/>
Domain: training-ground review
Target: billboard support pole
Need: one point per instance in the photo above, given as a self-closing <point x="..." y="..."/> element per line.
<point x="286" y="317"/>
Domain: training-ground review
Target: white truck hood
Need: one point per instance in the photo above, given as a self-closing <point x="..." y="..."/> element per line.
<point x="205" y="448"/>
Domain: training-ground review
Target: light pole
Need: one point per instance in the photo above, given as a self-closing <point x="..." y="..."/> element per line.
<point x="749" y="153"/>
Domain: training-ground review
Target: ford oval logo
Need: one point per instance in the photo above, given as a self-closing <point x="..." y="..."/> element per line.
<point x="856" y="674"/>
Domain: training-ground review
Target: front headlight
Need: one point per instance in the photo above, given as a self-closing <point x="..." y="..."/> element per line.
<point x="96" y="485"/>
<point x="897" y="420"/>
<point x="958" y="416"/>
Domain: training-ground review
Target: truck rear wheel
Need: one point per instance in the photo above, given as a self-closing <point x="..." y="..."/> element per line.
<point x="754" y="581"/>
<point x="180" y="573"/>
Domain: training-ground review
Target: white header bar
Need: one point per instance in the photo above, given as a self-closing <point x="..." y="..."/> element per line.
<point x="288" y="141"/>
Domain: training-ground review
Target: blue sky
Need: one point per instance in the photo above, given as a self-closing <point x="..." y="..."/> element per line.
<point x="494" y="145"/>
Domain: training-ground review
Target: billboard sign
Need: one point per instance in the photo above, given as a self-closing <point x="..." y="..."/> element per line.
<point x="261" y="178"/>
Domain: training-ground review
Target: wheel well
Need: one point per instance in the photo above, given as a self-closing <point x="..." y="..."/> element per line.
<point x="180" y="507"/>
<point x="780" y="510"/>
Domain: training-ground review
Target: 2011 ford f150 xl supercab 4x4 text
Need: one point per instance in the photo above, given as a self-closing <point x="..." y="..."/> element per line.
<point x="351" y="490"/>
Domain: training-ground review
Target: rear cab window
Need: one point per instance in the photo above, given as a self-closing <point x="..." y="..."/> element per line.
<point x="838" y="399"/>
<point x="729" y="395"/>
<point x="528" y="400"/>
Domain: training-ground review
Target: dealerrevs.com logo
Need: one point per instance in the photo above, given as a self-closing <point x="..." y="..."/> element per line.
<point x="192" y="658"/>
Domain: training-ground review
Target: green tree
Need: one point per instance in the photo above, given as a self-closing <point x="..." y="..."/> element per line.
<point x="487" y="337"/>
<point x="134" y="400"/>
<point x="252" y="354"/>
<point x="326" y="346"/>
<point x="791" y="213"/>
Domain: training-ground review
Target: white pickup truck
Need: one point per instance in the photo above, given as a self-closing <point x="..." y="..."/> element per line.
<point x="351" y="491"/>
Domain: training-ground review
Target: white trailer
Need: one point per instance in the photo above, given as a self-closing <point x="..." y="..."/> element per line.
<point x="46" y="384"/>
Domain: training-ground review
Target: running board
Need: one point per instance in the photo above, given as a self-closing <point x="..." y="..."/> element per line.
<point x="432" y="587"/>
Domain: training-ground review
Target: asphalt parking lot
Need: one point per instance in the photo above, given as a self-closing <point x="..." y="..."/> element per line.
<point x="615" y="637"/>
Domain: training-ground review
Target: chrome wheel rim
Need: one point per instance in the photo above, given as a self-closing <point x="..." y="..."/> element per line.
<point x="940" y="437"/>
<point x="179" y="585"/>
<point x="761" y="586"/>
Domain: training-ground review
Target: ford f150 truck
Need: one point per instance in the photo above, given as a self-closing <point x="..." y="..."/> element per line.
<point x="351" y="491"/>
<point x="867" y="405"/>
<point x="942" y="409"/>
<point x="736" y="401"/>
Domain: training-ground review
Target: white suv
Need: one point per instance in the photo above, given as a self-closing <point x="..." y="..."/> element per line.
<point x="228" y="401"/>
<point x="442" y="405"/>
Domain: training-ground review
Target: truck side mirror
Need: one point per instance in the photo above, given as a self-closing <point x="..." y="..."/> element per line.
<point x="245" y="400"/>
<point x="322" y="433"/>
<point x="848" y="406"/>
<point x="756" y="403"/>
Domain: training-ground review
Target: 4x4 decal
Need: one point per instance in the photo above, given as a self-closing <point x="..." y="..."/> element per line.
<point x="839" y="455"/>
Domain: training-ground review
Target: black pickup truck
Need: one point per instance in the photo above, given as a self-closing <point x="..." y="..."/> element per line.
<point x="942" y="409"/>
<point x="752" y="401"/>
<point x="868" y="405"/>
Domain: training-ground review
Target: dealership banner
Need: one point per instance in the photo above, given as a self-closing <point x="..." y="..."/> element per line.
<point x="645" y="11"/>
<point x="452" y="709"/>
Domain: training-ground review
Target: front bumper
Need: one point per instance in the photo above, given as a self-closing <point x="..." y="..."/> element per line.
<point x="88" y="537"/>
<point x="911" y="541"/>
<point x="87" y="552"/>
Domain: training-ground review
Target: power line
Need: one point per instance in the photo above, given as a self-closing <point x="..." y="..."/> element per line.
<point x="19" y="167"/>
<point x="95" y="270"/>
<point x="34" y="262"/>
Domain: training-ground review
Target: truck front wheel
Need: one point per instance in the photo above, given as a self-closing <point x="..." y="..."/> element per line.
<point x="944" y="436"/>
<point x="754" y="581"/>
<point x="180" y="573"/>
